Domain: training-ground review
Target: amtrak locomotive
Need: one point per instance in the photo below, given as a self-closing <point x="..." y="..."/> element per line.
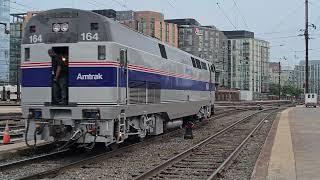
<point x="120" y="83"/>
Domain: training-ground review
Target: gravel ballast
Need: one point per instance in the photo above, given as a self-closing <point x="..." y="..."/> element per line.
<point x="134" y="162"/>
<point x="243" y="165"/>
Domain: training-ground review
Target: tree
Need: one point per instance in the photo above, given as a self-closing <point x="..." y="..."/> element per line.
<point x="274" y="89"/>
<point x="285" y="90"/>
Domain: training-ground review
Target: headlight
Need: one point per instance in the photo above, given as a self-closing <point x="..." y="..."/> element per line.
<point x="64" y="27"/>
<point x="56" y="27"/>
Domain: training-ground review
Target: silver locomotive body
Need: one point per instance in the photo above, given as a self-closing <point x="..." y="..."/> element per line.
<point x="120" y="83"/>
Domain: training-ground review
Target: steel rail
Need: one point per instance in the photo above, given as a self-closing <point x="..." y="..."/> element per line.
<point x="9" y="104"/>
<point x="189" y="151"/>
<point x="63" y="168"/>
<point x="29" y="160"/>
<point x="235" y="153"/>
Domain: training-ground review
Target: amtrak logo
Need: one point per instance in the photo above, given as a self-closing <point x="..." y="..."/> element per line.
<point x="89" y="76"/>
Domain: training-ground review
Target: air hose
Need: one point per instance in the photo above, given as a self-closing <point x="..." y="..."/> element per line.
<point x="72" y="140"/>
<point x="34" y="136"/>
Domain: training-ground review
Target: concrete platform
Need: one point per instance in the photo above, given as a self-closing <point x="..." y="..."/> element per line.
<point x="10" y="109"/>
<point x="7" y="150"/>
<point x="292" y="150"/>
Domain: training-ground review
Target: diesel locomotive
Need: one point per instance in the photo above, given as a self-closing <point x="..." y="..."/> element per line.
<point x="120" y="83"/>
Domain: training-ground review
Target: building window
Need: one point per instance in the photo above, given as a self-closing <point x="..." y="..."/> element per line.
<point x="142" y="26"/>
<point x="163" y="51"/>
<point x="167" y="32"/>
<point x="190" y="40"/>
<point x="6" y="54"/>
<point x="27" y="54"/>
<point x="173" y="34"/>
<point x="152" y="27"/>
<point x="101" y="52"/>
<point x="137" y="25"/>
<point x="161" y="31"/>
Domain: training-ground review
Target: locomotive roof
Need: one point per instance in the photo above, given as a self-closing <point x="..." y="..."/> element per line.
<point x="111" y="31"/>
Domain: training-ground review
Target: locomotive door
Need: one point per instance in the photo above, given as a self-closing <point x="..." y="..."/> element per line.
<point x="123" y="77"/>
<point x="60" y="85"/>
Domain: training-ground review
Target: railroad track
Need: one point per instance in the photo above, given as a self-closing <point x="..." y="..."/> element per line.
<point x="10" y="116"/>
<point x="86" y="160"/>
<point x="9" y="104"/>
<point x="30" y="160"/>
<point x="209" y="158"/>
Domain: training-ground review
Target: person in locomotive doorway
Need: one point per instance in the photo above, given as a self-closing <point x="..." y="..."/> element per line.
<point x="59" y="72"/>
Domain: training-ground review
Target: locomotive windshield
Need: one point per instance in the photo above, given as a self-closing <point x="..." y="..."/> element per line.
<point x="65" y="26"/>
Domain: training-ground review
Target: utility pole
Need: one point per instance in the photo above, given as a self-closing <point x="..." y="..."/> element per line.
<point x="279" y="80"/>
<point x="306" y="34"/>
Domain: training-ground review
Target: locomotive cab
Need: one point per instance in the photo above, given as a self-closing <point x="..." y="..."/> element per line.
<point x="120" y="83"/>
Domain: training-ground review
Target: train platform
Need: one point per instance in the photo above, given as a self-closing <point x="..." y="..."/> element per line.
<point x="7" y="150"/>
<point x="291" y="151"/>
<point x="10" y="103"/>
<point x="10" y="109"/>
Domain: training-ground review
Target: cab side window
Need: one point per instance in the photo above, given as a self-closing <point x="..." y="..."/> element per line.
<point x="94" y="26"/>
<point x="163" y="51"/>
<point x="198" y="63"/>
<point x="204" y="66"/>
<point x="193" y="62"/>
<point x="27" y="54"/>
<point x="101" y="52"/>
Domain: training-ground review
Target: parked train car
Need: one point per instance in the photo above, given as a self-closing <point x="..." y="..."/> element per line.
<point x="121" y="83"/>
<point x="311" y="99"/>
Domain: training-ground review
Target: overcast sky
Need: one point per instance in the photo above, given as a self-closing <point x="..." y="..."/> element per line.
<point x="277" y="21"/>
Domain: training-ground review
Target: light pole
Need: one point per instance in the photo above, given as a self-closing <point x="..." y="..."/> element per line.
<point x="283" y="58"/>
<point x="279" y="80"/>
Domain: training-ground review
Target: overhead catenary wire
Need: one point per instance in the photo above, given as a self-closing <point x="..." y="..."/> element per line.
<point x="121" y="4"/>
<point x="173" y="6"/>
<point x="226" y="16"/>
<point x="314" y="3"/>
<point x="275" y="32"/>
<point x="242" y="17"/>
<point x="98" y="4"/>
<point x="318" y="6"/>
<point x="95" y="5"/>
<point x="17" y="9"/>
<point x="282" y="21"/>
<point x="169" y="2"/>
<point x="23" y="5"/>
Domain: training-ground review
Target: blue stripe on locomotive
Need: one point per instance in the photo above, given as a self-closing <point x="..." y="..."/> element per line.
<point x="36" y="77"/>
<point x="109" y="74"/>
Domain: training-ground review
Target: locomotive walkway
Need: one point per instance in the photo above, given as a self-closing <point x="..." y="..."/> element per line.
<point x="291" y="151"/>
